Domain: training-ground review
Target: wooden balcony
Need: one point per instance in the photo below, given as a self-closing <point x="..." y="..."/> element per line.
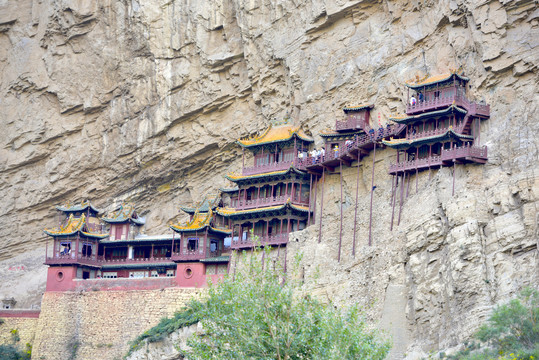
<point x="272" y="240"/>
<point x="97" y="261"/>
<point x="271" y="201"/>
<point x="351" y="123"/>
<point x="72" y="259"/>
<point x="261" y="169"/>
<point x="441" y="102"/>
<point x="463" y="154"/>
<point x="359" y="147"/>
<point x="188" y="255"/>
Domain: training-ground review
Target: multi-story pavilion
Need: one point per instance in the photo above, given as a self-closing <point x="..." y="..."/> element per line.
<point x="442" y="127"/>
<point x="272" y="196"/>
<point x="200" y="251"/>
<point x="75" y="243"/>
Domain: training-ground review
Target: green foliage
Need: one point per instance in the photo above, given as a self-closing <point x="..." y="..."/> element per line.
<point x="10" y="352"/>
<point x="72" y="347"/>
<point x="186" y="317"/>
<point x="511" y="332"/>
<point x="2" y="321"/>
<point x="258" y="315"/>
<point x="15" y="337"/>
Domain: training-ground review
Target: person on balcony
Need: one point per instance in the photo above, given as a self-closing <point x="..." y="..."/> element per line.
<point x="420" y="97"/>
<point x="322" y="152"/>
<point x="348" y="143"/>
<point x="413" y="101"/>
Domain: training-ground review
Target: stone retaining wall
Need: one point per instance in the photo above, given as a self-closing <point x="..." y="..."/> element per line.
<point x="99" y="324"/>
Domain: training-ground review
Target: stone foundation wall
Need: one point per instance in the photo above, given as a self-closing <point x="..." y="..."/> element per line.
<point x="99" y="324"/>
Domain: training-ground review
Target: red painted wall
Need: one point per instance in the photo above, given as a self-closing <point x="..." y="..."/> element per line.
<point x="63" y="278"/>
<point x="60" y="278"/>
<point x="19" y="313"/>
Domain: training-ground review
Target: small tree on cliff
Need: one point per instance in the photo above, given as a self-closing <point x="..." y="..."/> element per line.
<point x="258" y="315"/>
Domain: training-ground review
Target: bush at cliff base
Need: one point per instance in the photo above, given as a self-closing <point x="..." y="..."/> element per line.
<point x="10" y="352"/>
<point x="511" y="332"/>
<point x="259" y="313"/>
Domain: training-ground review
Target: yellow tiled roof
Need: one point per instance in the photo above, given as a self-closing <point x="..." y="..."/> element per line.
<point x="357" y="107"/>
<point x="232" y="211"/>
<point x="199" y="221"/>
<point x="234" y="176"/>
<point x="276" y="134"/>
<point x="73" y="224"/>
<point x="426" y="80"/>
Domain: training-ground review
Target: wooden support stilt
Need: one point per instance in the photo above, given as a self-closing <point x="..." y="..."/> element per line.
<point x="263" y="258"/>
<point x="310" y="200"/>
<point x="394" y="201"/>
<point x="416" y="180"/>
<point x="235" y="265"/>
<point x="355" y="211"/>
<point x="315" y="195"/>
<point x="392" y="189"/>
<point x="321" y="206"/>
<point x="454" y="168"/>
<point x="401" y="201"/>
<point x="372" y="195"/>
<point x="340" y="233"/>
<point x="285" y="251"/>
<point x="408" y="186"/>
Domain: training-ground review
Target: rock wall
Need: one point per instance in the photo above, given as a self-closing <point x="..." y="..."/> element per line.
<point x="433" y="279"/>
<point x="142" y="100"/>
<point x="99" y="324"/>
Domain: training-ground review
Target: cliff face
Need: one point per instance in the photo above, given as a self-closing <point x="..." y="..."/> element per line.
<point x="142" y="100"/>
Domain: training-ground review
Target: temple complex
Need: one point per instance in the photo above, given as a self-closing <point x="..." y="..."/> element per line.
<point x="271" y="198"/>
<point x="274" y="196"/>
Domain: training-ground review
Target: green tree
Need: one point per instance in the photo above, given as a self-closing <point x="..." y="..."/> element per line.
<point x="10" y="352"/>
<point x="511" y="332"/>
<point x="258" y="315"/>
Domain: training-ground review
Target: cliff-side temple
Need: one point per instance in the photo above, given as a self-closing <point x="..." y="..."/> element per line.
<point x="272" y="197"/>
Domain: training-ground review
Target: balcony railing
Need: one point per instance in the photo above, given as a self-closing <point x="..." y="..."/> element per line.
<point x="274" y="166"/>
<point x="429" y="133"/>
<point x="464" y="152"/>
<point x="271" y="201"/>
<point x="188" y="255"/>
<point x="279" y="239"/>
<point x="350" y="124"/>
<point x="458" y="98"/>
<point x="99" y="260"/>
<point x="358" y="142"/>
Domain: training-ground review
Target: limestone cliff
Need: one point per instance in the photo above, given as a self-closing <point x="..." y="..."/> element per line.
<point x="142" y="100"/>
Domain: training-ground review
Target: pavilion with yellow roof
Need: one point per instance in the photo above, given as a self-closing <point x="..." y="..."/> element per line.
<point x="271" y="197"/>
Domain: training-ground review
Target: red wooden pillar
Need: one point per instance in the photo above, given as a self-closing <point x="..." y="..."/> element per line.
<point x="315" y="196"/>
<point x="402" y="194"/>
<point x="171" y="251"/>
<point x="340" y="231"/>
<point x="310" y="200"/>
<point x="151" y="254"/>
<point x="321" y="206"/>
<point x="355" y="211"/>
<point x="372" y="194"/>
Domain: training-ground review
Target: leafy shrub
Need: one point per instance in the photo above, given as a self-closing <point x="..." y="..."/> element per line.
<point x="511" y="332"/>
<point x="10" y="352"/>
<point x="258" y="315"/>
